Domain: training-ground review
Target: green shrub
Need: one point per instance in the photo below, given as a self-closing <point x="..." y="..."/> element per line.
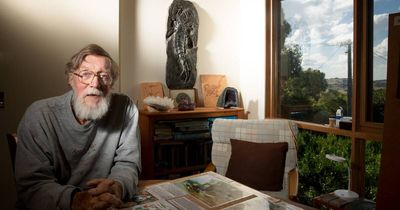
<point x="372" y="164"/>
<point x="319" y="175"/>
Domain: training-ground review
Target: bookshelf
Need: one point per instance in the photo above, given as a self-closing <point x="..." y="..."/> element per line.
<point x="177" y="143"/>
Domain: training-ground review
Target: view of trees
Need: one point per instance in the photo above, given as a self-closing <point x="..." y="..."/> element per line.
<point x="304" y="88"/>
<point x="378" y="104"/>
<point x="307" y="88"/>
<point x="330" y="100"/>
<point x="319" y="175"/>
<point x="305" y="96"/>
<point x="304" y="92"/>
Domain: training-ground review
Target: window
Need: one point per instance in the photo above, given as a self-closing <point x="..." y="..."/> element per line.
<point x="315" y="68"/>
<point x="322" y="55"/>
<point x="378" y="36"/>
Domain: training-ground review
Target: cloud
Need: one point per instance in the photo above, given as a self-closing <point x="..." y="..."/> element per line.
<point x="341" y="33"/>
<point x="336" y="66"/>
<point x="381" y="48"/>
<point x="379" y="18"/>
<point x="342" y="28"/>
<point x="343" y="5"/>
<point x="380" y="60"/>
<point x="317" y="26"/>
<point x="380" y="28"/>
<point x="341" y="39"/>
<point x="314" y="60"/>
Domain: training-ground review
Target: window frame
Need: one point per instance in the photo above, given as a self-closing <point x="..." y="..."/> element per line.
<point x="362" y="130"/>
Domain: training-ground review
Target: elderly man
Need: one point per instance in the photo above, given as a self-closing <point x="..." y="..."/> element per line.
<point x="80" y="150"/>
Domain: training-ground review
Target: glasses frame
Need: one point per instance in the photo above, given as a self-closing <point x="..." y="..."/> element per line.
<point x="94" y="75"/>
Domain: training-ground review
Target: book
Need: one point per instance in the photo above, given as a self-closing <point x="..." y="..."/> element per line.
<point x="192" y="136"/>
<point x="192" y="123"/>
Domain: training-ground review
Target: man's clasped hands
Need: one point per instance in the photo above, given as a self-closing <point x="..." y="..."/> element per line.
<point x="101" y="194"/>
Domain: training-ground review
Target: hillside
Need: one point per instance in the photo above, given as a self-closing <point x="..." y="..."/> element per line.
<point x="340" y="84"/>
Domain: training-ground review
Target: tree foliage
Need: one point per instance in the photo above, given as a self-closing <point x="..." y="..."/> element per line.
<point x="285" y="31"/>
<point x="378" y="102"/>
<point x="291" y="58"/>
<point x="318" y="175"/>
<point x="330" y="100"/>
<point x="304" y="88"/>
<point x="372" y="164"/>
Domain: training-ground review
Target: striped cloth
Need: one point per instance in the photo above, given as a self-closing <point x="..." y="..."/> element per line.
<point x="259" y="131"/>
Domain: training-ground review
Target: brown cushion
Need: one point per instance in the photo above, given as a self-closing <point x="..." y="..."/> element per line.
<point x="258" y="165"/>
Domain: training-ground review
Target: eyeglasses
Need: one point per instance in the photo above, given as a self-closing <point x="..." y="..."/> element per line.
<point x="86" y="77"/>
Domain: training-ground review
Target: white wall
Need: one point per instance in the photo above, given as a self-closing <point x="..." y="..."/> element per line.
<point x="231" y="42"/>
<point x="252" y="56"/>
<point x="36" y="40"/>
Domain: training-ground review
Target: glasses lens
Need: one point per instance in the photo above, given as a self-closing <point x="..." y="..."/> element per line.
<point x="105" y="78"/>
<point x="86" y="76"/>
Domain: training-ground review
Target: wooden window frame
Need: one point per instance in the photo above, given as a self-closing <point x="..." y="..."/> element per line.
<point x="362" y="129"/>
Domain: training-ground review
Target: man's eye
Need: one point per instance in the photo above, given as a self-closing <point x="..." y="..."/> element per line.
<point x="86" y="74"/>
<point x="104" y="75"/>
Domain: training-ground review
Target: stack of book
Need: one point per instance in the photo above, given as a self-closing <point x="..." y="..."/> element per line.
<point x="192" y="130"/>
<point x="162" y="131"/>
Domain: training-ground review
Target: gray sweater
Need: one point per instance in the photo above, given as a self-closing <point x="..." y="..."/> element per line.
<point x="56" y="155"/>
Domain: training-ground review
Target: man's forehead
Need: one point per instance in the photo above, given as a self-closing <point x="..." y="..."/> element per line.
<point x="92" y="61"/>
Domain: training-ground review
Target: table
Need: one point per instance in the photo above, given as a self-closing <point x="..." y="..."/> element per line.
<point x="207" y="190"/>
<point x="331" y="201"/>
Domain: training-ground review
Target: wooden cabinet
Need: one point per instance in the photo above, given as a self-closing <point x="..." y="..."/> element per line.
<point x="193" y="154"/>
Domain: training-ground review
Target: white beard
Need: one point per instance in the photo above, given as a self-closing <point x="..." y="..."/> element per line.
<point x="84" y="111"/>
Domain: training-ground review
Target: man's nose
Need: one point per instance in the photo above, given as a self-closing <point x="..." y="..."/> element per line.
<point x="95" y="81"/>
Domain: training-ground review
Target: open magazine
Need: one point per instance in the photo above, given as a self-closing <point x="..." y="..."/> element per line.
<point x="207" y="190"/>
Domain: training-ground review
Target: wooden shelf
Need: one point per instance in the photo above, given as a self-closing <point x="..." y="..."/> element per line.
<point x="151" y="148"/>
<point x="181" y="142"/>
<point x="197" y="112"/>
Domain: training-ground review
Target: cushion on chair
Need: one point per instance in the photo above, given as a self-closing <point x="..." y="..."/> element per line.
<point x="258" y="165"/>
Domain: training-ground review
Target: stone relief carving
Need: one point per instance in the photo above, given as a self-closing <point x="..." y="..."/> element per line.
<point x="181" y="37"/>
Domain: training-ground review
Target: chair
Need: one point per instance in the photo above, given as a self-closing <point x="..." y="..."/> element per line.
<point x="258" y="131"/>
<point x="12" y="146"/>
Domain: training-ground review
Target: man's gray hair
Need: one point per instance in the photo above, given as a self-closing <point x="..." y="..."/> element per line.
<point x="91" y="49"/>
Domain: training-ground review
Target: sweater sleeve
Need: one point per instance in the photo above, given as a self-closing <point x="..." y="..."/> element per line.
<point x="37" y="185"/>
<point x="127" y="162"/>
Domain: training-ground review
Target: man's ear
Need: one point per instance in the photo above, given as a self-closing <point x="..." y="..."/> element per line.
<point x="70" y="81"/>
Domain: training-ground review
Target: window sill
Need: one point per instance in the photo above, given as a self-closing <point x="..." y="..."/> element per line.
<point x="376" y="136"/>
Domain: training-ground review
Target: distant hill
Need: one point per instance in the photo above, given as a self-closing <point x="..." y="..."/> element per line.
<point x="380" y="84"/>
<point x="340" y="84"/>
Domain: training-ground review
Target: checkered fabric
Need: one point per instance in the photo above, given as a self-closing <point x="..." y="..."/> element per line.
<point x="259" y="131"/>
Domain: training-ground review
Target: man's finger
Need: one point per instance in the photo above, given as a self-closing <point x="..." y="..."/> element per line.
<point x="95" y="182"/>
<point x="81" y="201"/>
<point x="99" y="205"/>
<point x="101" y="186"/>
<point x="110" y="199"/>
<point x="100" y="189"/>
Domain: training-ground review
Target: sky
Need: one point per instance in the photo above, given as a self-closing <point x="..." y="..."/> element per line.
<point x="324" y="30"/>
